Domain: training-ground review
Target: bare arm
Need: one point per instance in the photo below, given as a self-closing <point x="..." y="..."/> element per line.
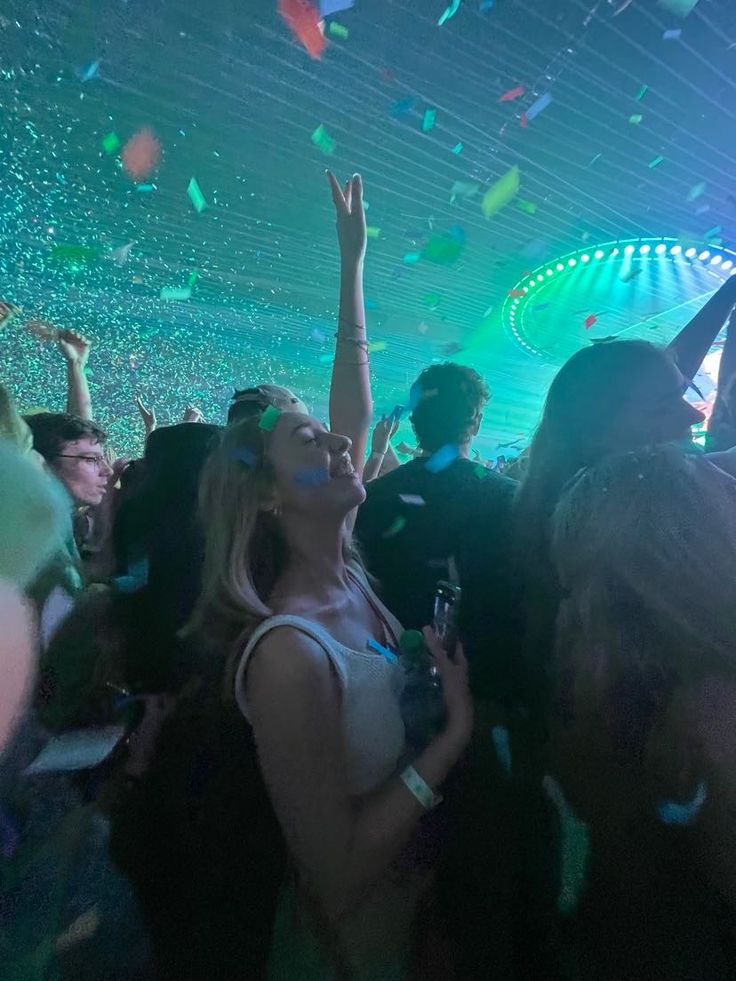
<point x="696" y="338"/>
<point x="75" y="348"/>
<point x="351" y="402"/>
<point x="343" y="845"/>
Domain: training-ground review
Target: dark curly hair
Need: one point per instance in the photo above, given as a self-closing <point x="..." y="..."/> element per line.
<point x="448" y="402"/>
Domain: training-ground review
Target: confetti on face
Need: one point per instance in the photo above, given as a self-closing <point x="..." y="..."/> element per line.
<point x="322" y="139"/>
<point x="244" y="455"/>
<point x="499" y="194"/>
<point x="304" y="22"/>
<point x="141" y="154"/>
<point x="442" y="459"/>
<point x="315" y="477"/>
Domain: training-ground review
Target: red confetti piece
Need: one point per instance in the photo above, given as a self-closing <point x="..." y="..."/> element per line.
<point x="524" y="120"/>
<point x="141" y="154"/>
<point x="304" y="21"/>
<point x="589" y="321"/>
<point x="512" y="94"/>
<point x="517" y="293"/>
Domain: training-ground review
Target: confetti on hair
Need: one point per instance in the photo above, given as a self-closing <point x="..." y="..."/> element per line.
<point x="322" y="139"/>
<point x="195" y="195"/>
<point x="244" y="455"/>
<point x="396" y="526"/>
<point x="383" y="651"/>
<point x="442" y="459"/>
<point x="429" y="120"/>
<point x="269" y="418"/>
<point x="499" y="194"/>
<point x="141" y="154"/>
<point x="304" y="22"/>
<point x="449" y="12"/>
<point x="512" y="94"/>
<point x="674" y="812"/>
<point x="413" y="499"/>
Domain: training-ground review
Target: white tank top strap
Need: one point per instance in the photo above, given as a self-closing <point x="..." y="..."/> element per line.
<point x="313" y="630"/>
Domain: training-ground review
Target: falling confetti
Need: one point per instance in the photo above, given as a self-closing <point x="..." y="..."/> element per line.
<point x="337" y="30"/>
<point x="442" y="459"/>
<point x="636" y="118"/>
<point x="304" y="22"/>
<point x="631" y="274"/>
<point x="681" y="8"/>
<point x="412" y="499"/>
<point x="697" y="191"/>
<point x="175" y="293"/>
<point x="322" y="139"/>
<point x="327" y="7"/>
<point x="499" y="194"/>
<point x="458" y="148"/>
<point x="656" y="162"/>
<point x="515" y="93"/>
<point x="429" y="120"/>
<point x="195" y="195"/>
<point x="589" y="321"/>
<point x="535" y="108"/>
<point x="528" y="207"/>
<point x="88" y="73"/>
<point x="141" y="154"/>
<point x="672" y="35"/>
<point x="449" y="12"/>
<point x="397" y="525"/>
<point x="643" y="89"/>
<point x="111" y="143"/>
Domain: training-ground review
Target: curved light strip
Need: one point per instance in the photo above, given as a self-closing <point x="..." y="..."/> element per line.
<point x="716" y="259"/>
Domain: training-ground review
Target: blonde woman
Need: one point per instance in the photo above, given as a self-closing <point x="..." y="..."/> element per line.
<point x="313" y="660"/>
<point x="645" y="748"/>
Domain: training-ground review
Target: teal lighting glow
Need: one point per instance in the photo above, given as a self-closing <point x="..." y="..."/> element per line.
<point x="629" y="250"/>
<point x="676" y="250"/>
<point x="559" y="267"/>
<point x="728" y="264"/>
<point x="691" y="252"/>
<point x="705" y="254"/>
<point x="716" y="260"/>
<point x="661" y="249"/>
<point x="615" y="252"/>
<point x="645" y="250"/>
<point x="572" y="262"/>
<point x="585" y="258"/>
<point x="598" y="254"/>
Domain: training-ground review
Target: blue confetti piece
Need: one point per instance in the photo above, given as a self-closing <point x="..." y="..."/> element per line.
<point x="384" y="651"/>
<point x="673" y="812"/>
<point x="88" y="73"/>
<point x="401" y="107"/>
<point x="246" y="456"/>
<point x="486" y="5"/>
<point x="442" y="459"/>
<point x="311" y="478"/>
<point x="539" y="106"/>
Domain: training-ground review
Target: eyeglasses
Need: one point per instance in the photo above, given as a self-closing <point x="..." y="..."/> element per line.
<point x="98" y="459"/>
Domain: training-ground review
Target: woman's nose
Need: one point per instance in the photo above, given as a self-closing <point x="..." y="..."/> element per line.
<point x="339" y="444"/>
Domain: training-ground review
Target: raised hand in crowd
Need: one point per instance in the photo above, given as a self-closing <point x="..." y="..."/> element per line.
<point x="193" y="414"/>
<point x="384" y="431"/>
<point x="147" y="415"/>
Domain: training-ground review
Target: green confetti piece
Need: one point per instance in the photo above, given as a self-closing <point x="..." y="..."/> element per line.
<point x="458" y="148"/>
<point x="697" y="191"/>
<point x="432" y="299"/>
<point x="430" y="118"/>
<point x="111" y="143"/>
<point x="373" y="232"/>
<point x="636" y="118"/>
<point x="656" y="162"/>
<point x="145" y="188"/>
<point x="499" y="194"/>
<point x="377" y="346"/>
<point x="411" y="258"/>
<point x="642" y="92"/>
<point x="337" y="30"/>
<point x="395" y="528"/>
<point x="195" y="195"/>
<point x="528" y="207"/>
<point x="322" y="139"/>
<point x="193" y="277"/>
<point x="269" y="418"/>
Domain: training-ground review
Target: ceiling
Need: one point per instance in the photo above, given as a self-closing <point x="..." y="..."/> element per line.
<point x="234" y="98"/>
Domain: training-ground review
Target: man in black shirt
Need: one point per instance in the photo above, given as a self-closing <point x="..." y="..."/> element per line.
<point x="441" y="507"/>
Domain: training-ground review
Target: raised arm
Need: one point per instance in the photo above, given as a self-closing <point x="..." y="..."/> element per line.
<point x="351" y="402"/>
<point x="380" y="446"/>
<point x="342" y="844"/>
<point x="696" y="338"/>
<point x="75" y="348"/>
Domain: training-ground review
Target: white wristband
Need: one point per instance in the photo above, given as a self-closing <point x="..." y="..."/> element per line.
<point x="420" y="789"/>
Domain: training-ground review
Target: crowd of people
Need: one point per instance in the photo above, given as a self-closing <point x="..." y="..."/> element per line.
<point x="277" y="706"/>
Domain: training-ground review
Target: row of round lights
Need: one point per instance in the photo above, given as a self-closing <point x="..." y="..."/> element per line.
<point x="716" y="259"/>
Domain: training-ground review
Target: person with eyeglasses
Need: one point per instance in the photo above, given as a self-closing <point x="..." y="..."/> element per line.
<point x="73" y="450"/>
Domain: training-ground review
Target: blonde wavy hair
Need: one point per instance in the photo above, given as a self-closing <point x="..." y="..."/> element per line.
<point x="245" y="549"/>
<point x="645" y="547"/>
